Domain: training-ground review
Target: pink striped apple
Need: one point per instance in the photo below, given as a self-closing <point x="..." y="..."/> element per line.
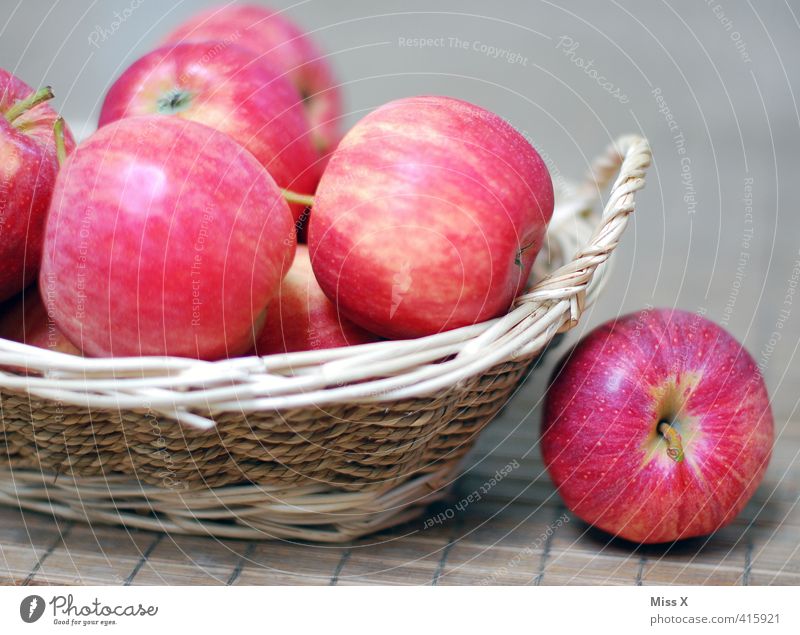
<point x="301" y="318"/>
<point x="217" y="84"/>
<point x="276" y="41"/>
<point x="657" y="427"/>
<point x="428" y="217"/>
<point x="164" y="237"/>
<point x="28" y="176"/>
<point x="25" y="319"/>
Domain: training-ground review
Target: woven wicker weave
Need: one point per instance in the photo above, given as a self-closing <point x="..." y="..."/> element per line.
<point x="321" y="445"/>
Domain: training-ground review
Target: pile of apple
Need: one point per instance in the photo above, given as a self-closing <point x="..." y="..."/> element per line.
<point x="174" y="230"/>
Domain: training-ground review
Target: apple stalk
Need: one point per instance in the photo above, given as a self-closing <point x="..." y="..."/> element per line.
<point x="58" y="135"/>
<point x="24" y="105"/>
<point x="674" y="443"/>
<point x="296" y="197"/>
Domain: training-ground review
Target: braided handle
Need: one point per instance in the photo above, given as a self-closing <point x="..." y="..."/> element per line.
<point x="629" y="158"/>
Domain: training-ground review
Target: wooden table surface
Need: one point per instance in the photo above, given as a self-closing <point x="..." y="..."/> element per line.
<point x="517" y="533"/>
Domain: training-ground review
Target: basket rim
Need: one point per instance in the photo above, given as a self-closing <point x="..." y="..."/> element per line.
<point x="185" y="389"/>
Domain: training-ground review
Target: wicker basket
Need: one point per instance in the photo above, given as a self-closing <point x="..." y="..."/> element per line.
<point x="323" y="445"/>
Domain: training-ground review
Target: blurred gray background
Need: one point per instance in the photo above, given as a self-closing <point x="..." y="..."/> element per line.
<point x="718" y="227"/>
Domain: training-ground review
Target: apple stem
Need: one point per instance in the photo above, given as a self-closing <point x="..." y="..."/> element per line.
<point x="296" y="197"/>
<point x="61" y="147"/>
<point x="520" y="251"/>
<point x="674" y="443"/>
<point x="176" y="100"/>
<point x="33" y="100"/>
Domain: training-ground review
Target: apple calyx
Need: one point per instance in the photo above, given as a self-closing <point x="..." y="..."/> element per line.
<point x="31" y="101"/>
<point x="174" y="101"/>
<point x="674" y="443"/>
<point x="296" y="197"/>
<point x="61" y="146"/>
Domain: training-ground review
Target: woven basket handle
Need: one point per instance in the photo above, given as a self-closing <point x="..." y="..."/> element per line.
<point x="628" y="158"/>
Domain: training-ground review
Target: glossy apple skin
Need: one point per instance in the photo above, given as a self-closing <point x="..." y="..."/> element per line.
<point x="164" y="237"/>
<point x="278" y="42"/>
<point x="27" y="177"/>
<point x="301" y="318"/>
<point x="600" y="440"/>
<point x="24" y="319"/>
<point x="219" y="86"/>
<point x="428" y="217"/>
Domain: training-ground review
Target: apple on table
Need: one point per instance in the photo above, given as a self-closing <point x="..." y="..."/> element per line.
<point x="657" y="427"/>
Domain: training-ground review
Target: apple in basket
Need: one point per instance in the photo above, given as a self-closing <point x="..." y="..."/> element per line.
<point x="272" y="39"/>
<point x="657" y="427"/>
<point x="25" y="319"/>
<point x="219" y="85"/>
<point x="29" y="169"/>
<point x="301" y="318"/>
<point x="164" y="237"/>
<point x="428" y="217"/>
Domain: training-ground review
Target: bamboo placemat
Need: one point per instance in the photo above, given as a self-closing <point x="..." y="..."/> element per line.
<point x="512" y="530"/>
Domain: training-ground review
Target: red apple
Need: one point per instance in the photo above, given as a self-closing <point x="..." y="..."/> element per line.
<point x="28" y="175"/>
<point x="301" y="318"/>
<point x="277" y="41"/>
<point x="217" y="84"/>
<point x="657" y="427"/>
<point x="428" y="217"/>
<point x="26" y="320"/>
<point x="164" y="237"/>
